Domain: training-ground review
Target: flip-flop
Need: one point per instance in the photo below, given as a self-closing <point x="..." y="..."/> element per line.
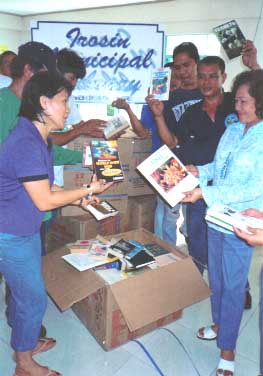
<point x="225" y="366"/>
<point x="50" y="372"/>
<point x="44" y="344"/>
<point x="208" y="333"/>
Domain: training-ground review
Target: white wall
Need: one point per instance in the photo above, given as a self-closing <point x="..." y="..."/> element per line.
<point x="11" y="31"/>
<point x="175" y="17"/>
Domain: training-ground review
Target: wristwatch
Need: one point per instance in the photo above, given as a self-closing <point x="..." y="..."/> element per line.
<point x="87" y="186"/>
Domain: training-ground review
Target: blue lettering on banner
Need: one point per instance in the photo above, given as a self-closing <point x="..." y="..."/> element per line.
<point x="117" y="83"/>
<point x="74" y="35"/>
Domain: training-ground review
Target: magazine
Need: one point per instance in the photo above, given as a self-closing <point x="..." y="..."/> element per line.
<point x="160" y="83"/>
<point x="231" y="38"/>
<point x="96" y="255"/>
<point x="114" y="126"/>
<point x="102" y="210"/>
<point x="167" y="175"/>
<point x="228" y="218"/>
<point x="106" y="160"/>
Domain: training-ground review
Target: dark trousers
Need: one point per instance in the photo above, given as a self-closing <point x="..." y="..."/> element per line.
<point x="197" y="233"/>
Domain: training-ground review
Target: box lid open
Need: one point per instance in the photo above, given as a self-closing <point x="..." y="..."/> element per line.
<point x="156" y="294"/>
<point x="65" y="284"/>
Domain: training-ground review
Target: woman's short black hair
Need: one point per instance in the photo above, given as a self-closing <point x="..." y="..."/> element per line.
<point x="68" y="61"/>
<point x="188" y="48"/>
<point x="46" y="84"/>
<point x="254" y="80"/>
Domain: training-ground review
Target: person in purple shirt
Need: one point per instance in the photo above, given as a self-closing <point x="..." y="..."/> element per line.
<point x="26" y="192"/>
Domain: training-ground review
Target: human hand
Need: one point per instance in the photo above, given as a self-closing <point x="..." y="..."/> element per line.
<point x="249" y="55"/>
<point x="155" y="105"/>
<point x="84" y="202"/>
<point x="253" y="213"/>
<point x="121" y="104"/>
<point x="193" y="170"/>
<point x="92" y="128"/>
<point x="255" y="237"/>
<point x="99" y="185"/>
<point x="193" y="196"/>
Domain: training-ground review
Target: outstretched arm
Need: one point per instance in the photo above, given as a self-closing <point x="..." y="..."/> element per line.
<point x="136" y="124"/>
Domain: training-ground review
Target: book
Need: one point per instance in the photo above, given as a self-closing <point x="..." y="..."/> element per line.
<point x="121" y="248"/>
<point x="160" y="83"/>
<point x="231" y="38"/>
<point x="106" y="161"/>
<point x="228" y="218"/>
<point x="80" y="246"/>
<point x="84" y="261"/>
<point x="114" y="126"/>
<point x="167" y="175"/>
<point x="141" y="259"/>
<point x="102" y="210"/>
<point x="155" y="249"/>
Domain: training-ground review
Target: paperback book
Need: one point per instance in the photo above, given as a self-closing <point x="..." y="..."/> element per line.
<point x="106" y="161"/>
<point x="102" y="210"/>
<point x="231" y="38"/>
<point x="228" y="218"/>
<point x="160" y="83"/>
<point x="155" y="249"/>
<point x="114" y="126"/>
<point x="167" y="175"/>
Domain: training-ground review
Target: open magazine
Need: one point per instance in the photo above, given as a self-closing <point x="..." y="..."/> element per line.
<point x="231" y="38"/>
<point x="167" y="175"/>
<point x="228" y="218"/>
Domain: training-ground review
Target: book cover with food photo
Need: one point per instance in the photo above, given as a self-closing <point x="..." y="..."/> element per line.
<point x="106" y="160"/>
<point x="167" y="175"/>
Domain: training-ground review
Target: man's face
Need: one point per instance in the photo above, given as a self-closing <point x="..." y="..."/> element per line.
<point x="5" y="67"/>
<point x="210" y="80"/>
<point x="186" y="69"/>
<point x="71" y="78"/>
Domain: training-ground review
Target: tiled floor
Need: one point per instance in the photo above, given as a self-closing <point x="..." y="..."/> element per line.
<point x="78" y="354"/>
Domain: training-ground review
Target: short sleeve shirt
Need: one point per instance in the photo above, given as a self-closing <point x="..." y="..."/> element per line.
<point x="24" y="157"/>
<point x="148" y="122"/>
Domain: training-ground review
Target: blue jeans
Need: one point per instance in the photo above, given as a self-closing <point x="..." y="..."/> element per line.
<point x="197" y="233"/>
<point x="228" y="265"/>
<point x="20" y="263"/>
<point x="165" y="221"/>
<point x="261" y="322"/>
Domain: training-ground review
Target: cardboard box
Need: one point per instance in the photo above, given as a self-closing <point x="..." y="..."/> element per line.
<point x="68" y="229"/>
<point x="141" y="211"/>
<point x="133" y="151"/>
<point x="127" y="309"/>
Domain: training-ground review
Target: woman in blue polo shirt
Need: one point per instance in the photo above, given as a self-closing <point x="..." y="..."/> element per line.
<point x="237" y="177"/>
<point x="26" y="192"/>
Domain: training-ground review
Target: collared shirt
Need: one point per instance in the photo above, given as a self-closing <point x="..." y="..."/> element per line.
<point x="24" y="157"/>
<point x="4" y="81"/>
<point x="236" y="170"/>
<point x="199" y="135"/>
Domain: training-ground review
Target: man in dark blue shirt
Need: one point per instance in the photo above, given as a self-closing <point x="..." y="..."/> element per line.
<point x="198" y="132"/>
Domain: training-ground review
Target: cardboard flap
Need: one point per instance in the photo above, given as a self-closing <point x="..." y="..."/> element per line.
<point x="156" y="294"/>
<point x="66" y="285"/>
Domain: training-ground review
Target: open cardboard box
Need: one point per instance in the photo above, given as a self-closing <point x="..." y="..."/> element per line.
<point x="116" y="313"/>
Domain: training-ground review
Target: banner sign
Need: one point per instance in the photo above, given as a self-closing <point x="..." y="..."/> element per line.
<point x="119" y="57"/>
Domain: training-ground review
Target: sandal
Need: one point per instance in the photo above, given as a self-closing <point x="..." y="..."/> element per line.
<point x="50" y="372"/>
<point x="225" y="367"/>
<point x="44" y="344"/>
<point x="206" y="333"/>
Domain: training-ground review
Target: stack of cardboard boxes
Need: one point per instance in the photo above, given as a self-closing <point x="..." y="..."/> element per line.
<point x="133" y="198"/>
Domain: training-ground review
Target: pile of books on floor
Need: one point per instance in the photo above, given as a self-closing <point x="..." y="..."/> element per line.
<point x="115" y="260"/>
